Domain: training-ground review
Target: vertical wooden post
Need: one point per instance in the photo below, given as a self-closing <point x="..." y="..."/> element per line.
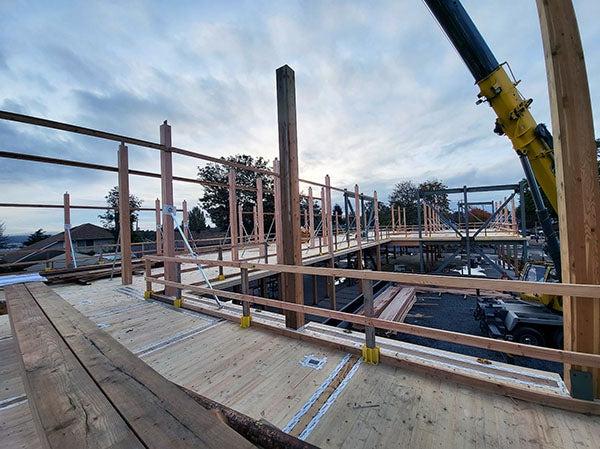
<point x="186" y="219"/>
<point x="311" y="217"/>
<point x="357" y="213"/>
<point x="576" y="179"/>
<point x="241" y="226"/>
<point x="337" y="229"/>
<point x="67" y="228"/>
<point x="166" y="177"/>
<point x="392" y="208"/>
<point x="124" y="215"/>
<point x="147" y="274"/>
<point x="233" y="220"/>
<point x="370" y="351"/>
<point x="245" y="283"/>
<point x="260" y="217"/>
<point x="278" y="218"/>
<point x="404" y="220"/>
<point x="377" y="233"/>
<point x="315" y="293"/>
<point x="159" y="248"/>
<point x="254" y="224"/>
<point x="328" y="212"/>
<point x="291" y="283"/>
<point x="324" y="226"/>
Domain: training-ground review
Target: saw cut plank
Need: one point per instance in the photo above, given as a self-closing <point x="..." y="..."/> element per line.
<point x="400" y="305"/>
<point x="156" y="409"/>
<point x="69" y="409"/>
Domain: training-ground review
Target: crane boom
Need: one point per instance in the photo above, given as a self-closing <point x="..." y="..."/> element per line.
<point x="531" y="141"/>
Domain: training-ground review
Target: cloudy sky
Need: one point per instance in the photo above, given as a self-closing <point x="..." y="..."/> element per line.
<point x="381" y="94"/>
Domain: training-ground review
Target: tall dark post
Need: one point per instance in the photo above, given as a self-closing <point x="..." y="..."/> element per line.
<point x="467" y="237"/>
<point x="421" y="261"/>
<point x="291" y="283"/>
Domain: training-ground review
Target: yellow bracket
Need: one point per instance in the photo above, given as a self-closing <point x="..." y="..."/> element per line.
<point x="177" y="302"/>
<point x="245" y="321"/>
<point x="221" y="277"/>
<point x="371" y="355"/>
<point x="148" y="294"/>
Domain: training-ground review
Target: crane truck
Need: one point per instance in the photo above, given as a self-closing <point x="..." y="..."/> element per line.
<point x="530" y="319"/>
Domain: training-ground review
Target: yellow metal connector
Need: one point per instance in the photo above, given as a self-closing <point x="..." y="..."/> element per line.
<point x="371" y="355"/>
<point x="148" y="294"/>
<point x="245" y="321"/>
<point x="221" y="277"/>
<point x="177" y="302"/>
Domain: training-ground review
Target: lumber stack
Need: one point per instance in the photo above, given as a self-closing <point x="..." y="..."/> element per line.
<point x="393" y="303"/>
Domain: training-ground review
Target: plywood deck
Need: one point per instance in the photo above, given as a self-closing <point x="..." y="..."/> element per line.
<point x="260" y="373"/>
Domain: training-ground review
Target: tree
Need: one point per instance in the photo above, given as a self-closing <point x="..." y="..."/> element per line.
<point x="405" y="196"/>
<point x="215" y="200"/>
<point x="480" y="214"/>
<point x="197" y="221"/>
<point x="110" y="218"/>
<point x="37" y="236"/>
<point x="3" y="238"/>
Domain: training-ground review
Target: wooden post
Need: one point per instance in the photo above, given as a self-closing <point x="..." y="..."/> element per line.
<point x="147" y="274"/>
<point x="67" y="228"/>
<point x="315" y="297"/>
<point x="166" y="178"/>
<point x="254" y="224"/>
<point x="124" y="215"/>
<point x="337" y="229"/>
<point x="158" y="228"/>
<point x="311" y="217"/>
<point x="404" y="220"/>
<point x="233" y="220"/>
<point x="260" y="217"/>
<point x="186" y="219"/>
<point x="393" y="217"/>
<point x="291" y="283"/>
<point x="367" y="289"/>
<point x="245" y="284"/>
<point x="278" y="218"/>
<point x="241" y="226"/>
<point x="376" y="216"/>
<point x="329" y="222"/>
<point x="357" y="212"/>
<point x="576" y="178"/>
<point x="324" y="226"/>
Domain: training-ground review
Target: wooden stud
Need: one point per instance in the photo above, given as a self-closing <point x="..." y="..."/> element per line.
<point x="67" y="227"/>
<point x="292" y="285"/>
<point x="278" y="217"/>
<point x="124" y="216"/>
<point x="260" y="217"/>
<point x="241" y="227"/>
<point x="233" y="220"/>
<point x="324" y="227"/>
<point x="576" y="176"/>
<point x="186" y="219"/>
<point x="311" y="217"/>
<point x="166" y="171"/>
<point x="159" y="248"/>
<point x="357" y="213"/>
<point x="329" y="222"/>
<point x="392" y="208"/>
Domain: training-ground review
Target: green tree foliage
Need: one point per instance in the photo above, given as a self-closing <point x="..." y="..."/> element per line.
<point x="405" y="196"/>
<point x="480" y="214"/>
<point x="37" y="236"/>
<point x="3" y="239"/>
<point x="110" y="218"/>
<point x="197" y="220"/>
<point x="337" y="210"/>
<point x="215" y="200"/>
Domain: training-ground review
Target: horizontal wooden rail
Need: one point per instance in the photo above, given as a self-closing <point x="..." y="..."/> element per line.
<point x="538" y="352"/>
<point x="61" y="206"/>
<point x="582" y="290"/>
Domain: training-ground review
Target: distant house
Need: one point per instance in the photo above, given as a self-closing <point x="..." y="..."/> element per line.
<point x="87" y="238"/>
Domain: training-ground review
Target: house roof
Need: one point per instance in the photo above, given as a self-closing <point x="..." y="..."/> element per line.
<point x="86" y="231"/>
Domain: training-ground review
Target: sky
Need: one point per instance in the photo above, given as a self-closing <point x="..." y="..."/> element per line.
<point x="382" y="96"/>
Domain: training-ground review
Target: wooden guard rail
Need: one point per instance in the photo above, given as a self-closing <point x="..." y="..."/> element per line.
<point x="555" y="355"/>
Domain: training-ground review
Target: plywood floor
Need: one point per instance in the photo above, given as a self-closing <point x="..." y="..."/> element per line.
<point x="260" y="373"/>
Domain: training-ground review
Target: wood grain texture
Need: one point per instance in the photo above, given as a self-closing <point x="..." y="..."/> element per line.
<point x="158" y="411"/>
<point x="69" y="409"/>
<point x="577" y="182"/>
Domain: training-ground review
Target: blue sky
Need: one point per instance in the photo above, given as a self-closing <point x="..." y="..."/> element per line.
<point x="382" y="96"/>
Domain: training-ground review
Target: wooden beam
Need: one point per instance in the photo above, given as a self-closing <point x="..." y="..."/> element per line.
<point x="291" y="283"/>
<point x="578" y="188"/>
<point x="277" y="207"/>
<point x="328" y="217"/>
<point x="357" y="213"/>
<point x="233" y="219"/>
<point x="166" y="182"/>
<point x="159" y="248"/>
<point x="68" y="408"/>
<point x="260" y="226"/>
<point x="185" y="222"/>
<point x="67" y="232"/>
<point x="392" y="207"/>
<point x="124" y="215"/>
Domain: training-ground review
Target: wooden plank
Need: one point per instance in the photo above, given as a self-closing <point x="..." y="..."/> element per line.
<point x="291" y="283"/>
<point x="233" y="216"/>
<point x="427" y="280"/>
<point x="311" y="217"/>
<point x="260" y="225"/>
<point x="399" y="306"/>
<point x="158" y="227"/>
<point x="158" y="411"/>
<point x="67" y="228"/>
<point x="124" y="215"/>
<point x="69" y="409"/>
<point x="576" y="174"/>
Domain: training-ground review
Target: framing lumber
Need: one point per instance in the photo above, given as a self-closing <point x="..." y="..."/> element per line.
<point x="158" y="227"/>
<point x="291" y="283"/>
<point x="260" y="217"/>
<point x="166" y="182"/>
<point x="69" y="409"/>
<point x="233" y="220"/>
<point x="67" y="230"/>
<point x="124" y="215"/>
<point x="577" y="183"/>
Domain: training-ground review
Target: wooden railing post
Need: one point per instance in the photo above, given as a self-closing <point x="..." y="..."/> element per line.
<point x="220" y="257"/>
<point x="260" y="216"/>
<point x="370" y="351"/>
<point x="67" y="227"/>
<point x="291" y="283"/>
<point x="124" y="215"/>
<point x="147" y="274"/>
<point x="233" y="219"/>
<point x="311" y="217"/>
<point x="166" y="177"/>
<point x="159" y="248"/>
<point x="246" y="319"/>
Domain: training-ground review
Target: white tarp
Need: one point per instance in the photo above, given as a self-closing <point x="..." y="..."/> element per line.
<point x="20" y="278"/>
